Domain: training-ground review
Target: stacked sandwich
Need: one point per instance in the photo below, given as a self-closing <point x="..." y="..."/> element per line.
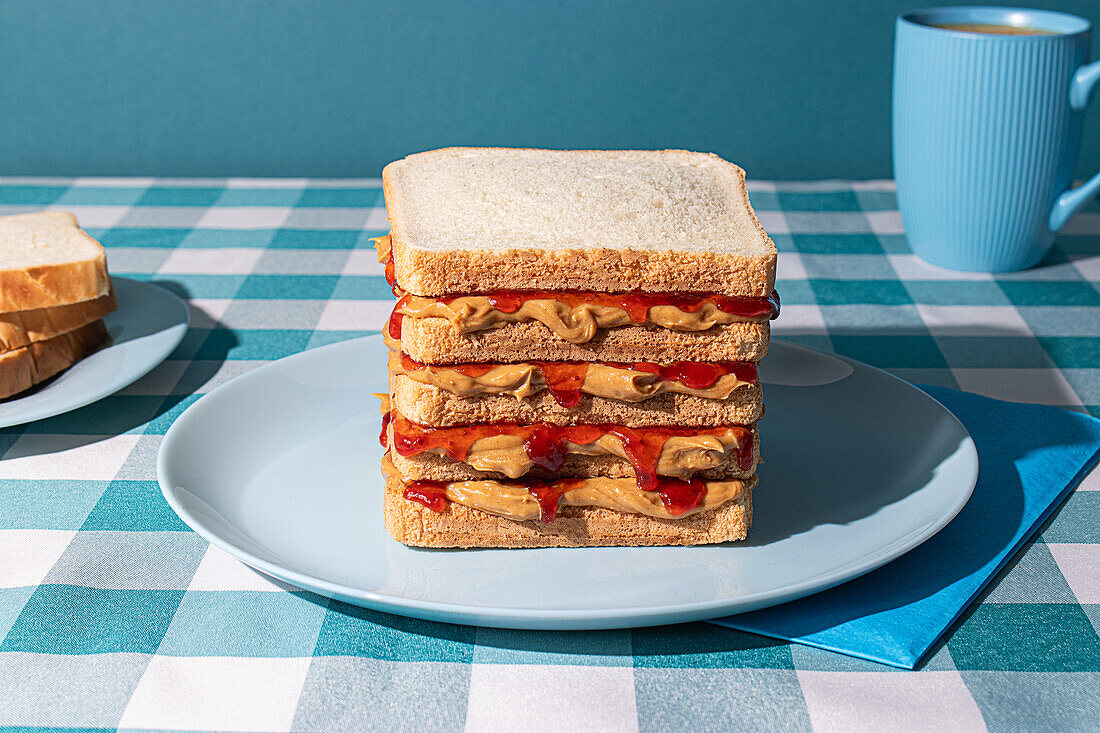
<point x="574" y="348"/>
<point x="54" y="292"/>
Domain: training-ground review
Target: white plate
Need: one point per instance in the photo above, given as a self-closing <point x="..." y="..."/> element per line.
<point x="280" y="467"/>
<point x="149" y="323"/>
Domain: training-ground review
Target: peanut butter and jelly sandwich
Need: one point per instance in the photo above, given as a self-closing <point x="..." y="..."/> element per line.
<point x="573" y="349"/>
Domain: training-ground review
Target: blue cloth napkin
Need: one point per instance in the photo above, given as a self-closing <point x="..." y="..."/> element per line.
<point x="1030" y="457"/>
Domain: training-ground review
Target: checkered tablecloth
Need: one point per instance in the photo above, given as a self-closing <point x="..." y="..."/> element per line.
<point x="114" y="614"/>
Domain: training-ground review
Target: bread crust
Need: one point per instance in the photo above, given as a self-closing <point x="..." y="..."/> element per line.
<point x="55" y="285"/>
<point x="435" y="341"/>
<point x="21" y="369"/>
<point x="20" y="328"/>
<point x="428" y="273"/>
<point x="59" y="284"/>
<point x="435" y="273"/>
<point x="458" y="526"/>
<point x="428" y="404"/>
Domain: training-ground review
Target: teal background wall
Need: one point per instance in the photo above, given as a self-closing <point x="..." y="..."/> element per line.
<point x="788" y="89"/>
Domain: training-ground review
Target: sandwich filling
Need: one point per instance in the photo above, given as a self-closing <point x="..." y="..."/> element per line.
<point x="578" y="316"/>
<point x="514" y="450"/>
<point x="566" y="381"/>
<point x="522" y="501"/>
<point x="575" y="316"/>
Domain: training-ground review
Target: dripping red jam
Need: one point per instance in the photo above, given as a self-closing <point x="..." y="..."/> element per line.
<point x="545" y="444"/>
<point x="429" y="493"/>
<point x="564" y="379"/>
<point x="383" y="438"/>
<point x="395" y="323"/>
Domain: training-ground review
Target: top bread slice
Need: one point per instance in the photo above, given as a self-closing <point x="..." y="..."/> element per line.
<point x="469" y="220"/>
<point x="47" y="260"/>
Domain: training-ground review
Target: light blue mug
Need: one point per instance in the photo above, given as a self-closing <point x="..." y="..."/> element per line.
<point x="987" y="130"/>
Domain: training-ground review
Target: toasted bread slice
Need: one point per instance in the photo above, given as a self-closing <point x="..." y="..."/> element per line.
<point x="20" y="328"/>
<point x="21" y="369"/>
<point x="435" y="341"/>
<point x="428" y="404"/>
<point x="46" y="260"/>
<point x="458" y="526"/>
<point x="467" y="220"/>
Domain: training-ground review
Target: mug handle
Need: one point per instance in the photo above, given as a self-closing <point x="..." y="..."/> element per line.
<point x="1072" y="201"/>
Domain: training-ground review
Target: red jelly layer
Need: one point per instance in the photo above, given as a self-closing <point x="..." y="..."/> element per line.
<point x="549" y="498"/>
<point x="391" y="276"/>
<point x="695" y="374"/>
<point x="636" y="304"/>
<point x="470" y="370"/>
<point x="565" y="378"/>
<point x="678" y="497"/>
<point x="395" y="323"/>
<point x="383" y="438"/>
<point x="545" y="444"/>
<point x="429" y="493"/>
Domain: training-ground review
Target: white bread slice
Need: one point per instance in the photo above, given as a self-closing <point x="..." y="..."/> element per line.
<point x="435" y="341"/>
<point x="47" y="260"/>
<point x="23" y="368"/>
<point x="469" y="220"/>
<point x="458" y="526"/>
<point x="20" y="328"/>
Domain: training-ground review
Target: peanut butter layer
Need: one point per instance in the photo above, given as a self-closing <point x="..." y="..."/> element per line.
<point x="576" y="324"/>
<point x="432" y="467"/>
<point x="413" y="524"/>
<point x="622" y="495"/>
<point x="383" y="248"/>
<point x="430" y="405"/>
<point x="523" y="380"/>
<point x="505" y="457"/>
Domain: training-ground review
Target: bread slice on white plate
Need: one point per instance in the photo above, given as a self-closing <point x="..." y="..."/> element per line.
<point x="21" y="369"/>
<point x="20" y="328"/>
<point x="467" y="220"/>
<point x="47" y="260"/>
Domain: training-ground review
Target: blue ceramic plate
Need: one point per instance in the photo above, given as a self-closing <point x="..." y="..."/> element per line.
<point x="280" y="467"/>
<point x="149" y="323"/>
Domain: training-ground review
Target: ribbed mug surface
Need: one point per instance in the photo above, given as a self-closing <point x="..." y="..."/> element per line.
<point x="985" y="138"/>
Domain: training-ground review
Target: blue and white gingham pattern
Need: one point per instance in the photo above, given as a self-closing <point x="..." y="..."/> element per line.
<point x="113" y="614"/>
